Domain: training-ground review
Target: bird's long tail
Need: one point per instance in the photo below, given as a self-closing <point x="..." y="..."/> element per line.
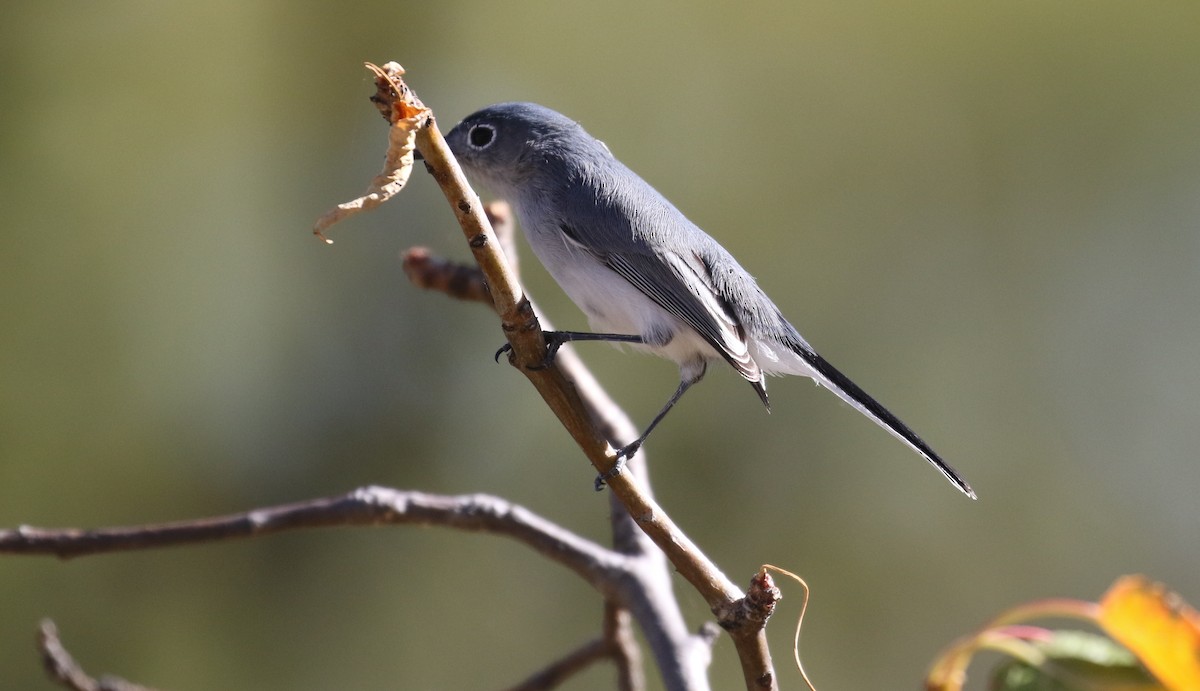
<point x="828" y="376"/>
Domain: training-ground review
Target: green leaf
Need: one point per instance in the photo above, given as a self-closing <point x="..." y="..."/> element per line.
<point x="1075" y="661"/>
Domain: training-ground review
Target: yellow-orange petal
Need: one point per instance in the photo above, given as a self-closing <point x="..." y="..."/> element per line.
<point x="1158" y="626"/>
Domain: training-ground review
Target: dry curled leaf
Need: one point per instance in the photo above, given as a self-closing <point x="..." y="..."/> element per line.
<point x="407" y="115"/>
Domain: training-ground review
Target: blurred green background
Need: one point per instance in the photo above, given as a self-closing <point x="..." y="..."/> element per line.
<point x="985" y="213"/>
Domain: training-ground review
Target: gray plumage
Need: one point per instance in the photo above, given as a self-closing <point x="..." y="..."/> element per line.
<point x="637" y="266"/>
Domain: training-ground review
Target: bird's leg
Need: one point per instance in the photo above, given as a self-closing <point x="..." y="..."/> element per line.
<point x="627" y="451"/>
<point x="555" y="339"/>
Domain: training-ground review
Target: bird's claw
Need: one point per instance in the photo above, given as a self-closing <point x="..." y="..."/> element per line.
<point x="623" y="454"/>
<point x="554" y="340"/>
<point x="603" y="478"/>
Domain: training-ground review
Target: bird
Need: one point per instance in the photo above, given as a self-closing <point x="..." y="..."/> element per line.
<point x="641" y="272"/>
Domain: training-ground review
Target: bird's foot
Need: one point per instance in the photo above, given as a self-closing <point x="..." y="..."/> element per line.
<point x="624" y="453"/>
<point x="554" y="341"/>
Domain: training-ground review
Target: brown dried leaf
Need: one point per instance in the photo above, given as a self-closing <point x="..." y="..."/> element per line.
<point x="407" y="115"/>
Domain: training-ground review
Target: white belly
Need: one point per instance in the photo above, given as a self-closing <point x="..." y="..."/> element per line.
<point x="613" y="305"/>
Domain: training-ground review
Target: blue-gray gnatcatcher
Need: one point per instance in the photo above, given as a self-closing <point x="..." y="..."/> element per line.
<point x="641" y="271"/>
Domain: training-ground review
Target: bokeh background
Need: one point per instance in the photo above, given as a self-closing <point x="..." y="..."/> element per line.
<point x="985" y="213"/>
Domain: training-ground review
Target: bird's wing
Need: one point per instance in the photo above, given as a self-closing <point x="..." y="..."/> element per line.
<point x="682" y="286"/>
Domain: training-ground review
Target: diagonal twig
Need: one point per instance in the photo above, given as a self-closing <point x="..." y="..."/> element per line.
<point x="565" y="667"/>
<point x="64" y="669"/>
<point x="616" y="643"/>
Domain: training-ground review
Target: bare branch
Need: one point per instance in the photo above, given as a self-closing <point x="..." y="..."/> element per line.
<point x="624" y="649"/>
<point x="617" y="643"/>
<point x="459" y="281"/>
<point x="365" y="506"/>
<point x="565" y="667"/>
<point x="63" y="668"/>
<point x="500" y="215"/>
<point x="621" y="579"/>
<point x="456" y="279"/>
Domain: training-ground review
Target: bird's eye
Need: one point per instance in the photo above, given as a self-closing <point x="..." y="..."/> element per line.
<point x="481" y="136"/>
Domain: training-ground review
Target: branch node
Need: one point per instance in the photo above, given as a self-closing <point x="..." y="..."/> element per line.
<point x="751" y="612"/>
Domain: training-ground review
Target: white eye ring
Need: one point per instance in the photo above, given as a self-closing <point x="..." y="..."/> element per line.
<point x="480" y="137"/>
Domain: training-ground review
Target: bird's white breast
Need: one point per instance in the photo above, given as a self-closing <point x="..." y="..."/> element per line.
<point x="612" y="304"/>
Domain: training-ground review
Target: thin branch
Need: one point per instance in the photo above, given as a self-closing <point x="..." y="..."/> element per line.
<point x="617" y="643"/>
<point x="63" y="668"/>
<point x="366" y="506"/>
<point x="458" y="280"/>
<point x="499" y="213"/>
<point x="566" y="666"/>
<point x="619" y="578"/>
<point x="623" y="648"/>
